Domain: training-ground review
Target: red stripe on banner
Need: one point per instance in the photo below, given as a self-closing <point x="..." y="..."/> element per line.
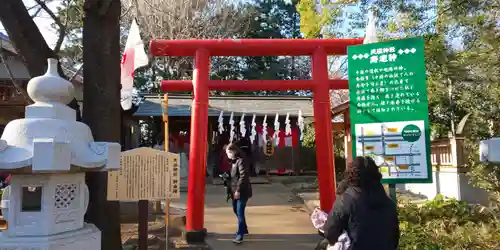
<point x="295" y="136"/>
<point x="270" y="132"/>
<point x="281" y="137"/>
<point x="259" y="129"/>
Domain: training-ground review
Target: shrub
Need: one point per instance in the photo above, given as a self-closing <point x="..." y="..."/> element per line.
<point x="448" y="224"/>
<point x="485" y="176"/>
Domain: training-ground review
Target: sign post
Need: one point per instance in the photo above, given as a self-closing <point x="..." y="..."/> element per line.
<point x="389" y="109"/>
<point x="166" y="142"/>
<point x="145" y="174"/>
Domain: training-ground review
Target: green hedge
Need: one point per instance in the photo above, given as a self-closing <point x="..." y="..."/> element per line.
<point x="450" y="225"/>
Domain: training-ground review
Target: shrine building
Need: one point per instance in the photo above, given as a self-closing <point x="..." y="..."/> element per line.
<point x="287" y="148"/>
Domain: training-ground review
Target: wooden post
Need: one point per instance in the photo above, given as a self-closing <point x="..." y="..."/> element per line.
<point x="143" y="224"/>
<point x="347" y="138"/>
<point x="166" y="141"/>
<point x="392" y="192"/>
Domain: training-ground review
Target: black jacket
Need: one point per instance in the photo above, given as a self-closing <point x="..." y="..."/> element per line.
<point x="367" y="214"/>
<point x="240" y="178"/>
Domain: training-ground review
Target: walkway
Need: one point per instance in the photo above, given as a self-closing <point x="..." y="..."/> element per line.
<point x="276" y="220"/>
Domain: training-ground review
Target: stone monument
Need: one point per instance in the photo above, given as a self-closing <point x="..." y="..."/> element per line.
<point x="47" y="154"/>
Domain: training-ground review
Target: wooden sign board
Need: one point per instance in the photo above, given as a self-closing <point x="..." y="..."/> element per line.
<point x="269" y="147"/>
<point x="145" y="174"/>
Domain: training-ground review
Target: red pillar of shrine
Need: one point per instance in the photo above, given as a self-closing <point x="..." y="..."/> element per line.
<point x="323" y="130"/>
<point x="198" y="148"/>
<point x="320" y="84"/>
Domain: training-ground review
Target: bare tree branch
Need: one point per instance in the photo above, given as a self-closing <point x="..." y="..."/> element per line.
<point x="28" y="40"/>
<point x="37" y="7"/>
<point x="62" y="27"/>
<point x="338" y="97"/>
<point x="76" y="73"/>
<point x="25" y="36"/>
<point x="126" y="11"/>
<point x="37" y="12"/>
<point x="186" y="19"/>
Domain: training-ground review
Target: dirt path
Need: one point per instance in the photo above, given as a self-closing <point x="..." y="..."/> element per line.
<point x="276" y="220"/>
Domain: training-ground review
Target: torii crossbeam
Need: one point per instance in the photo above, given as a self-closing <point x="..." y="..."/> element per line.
<point x="320" y="84"/>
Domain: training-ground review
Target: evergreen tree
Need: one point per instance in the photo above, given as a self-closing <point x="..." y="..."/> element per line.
<point x="275" y="19"/>
<point x="461" y="50"/>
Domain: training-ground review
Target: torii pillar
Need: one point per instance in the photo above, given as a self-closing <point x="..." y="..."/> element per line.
<point x="320" y="84"/>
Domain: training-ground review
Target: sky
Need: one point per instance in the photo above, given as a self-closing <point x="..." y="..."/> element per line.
<point x="43" y="22"/>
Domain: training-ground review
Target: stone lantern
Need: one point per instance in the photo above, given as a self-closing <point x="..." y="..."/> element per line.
<point x="47" y="154"/>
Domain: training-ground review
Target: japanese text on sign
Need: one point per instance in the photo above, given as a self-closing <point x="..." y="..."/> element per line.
<point x="389" y="108"/>
<point x="383" y="82"/>
<point x="387" y="89"/>
<point x="145" y="174"/>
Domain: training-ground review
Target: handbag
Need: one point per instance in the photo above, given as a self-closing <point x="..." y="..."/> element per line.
<point x="318" y="219"/>
<point x="343" y="243"/>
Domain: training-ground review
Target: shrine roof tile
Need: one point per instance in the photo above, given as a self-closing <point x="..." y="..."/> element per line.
<point x="180" y="105"/>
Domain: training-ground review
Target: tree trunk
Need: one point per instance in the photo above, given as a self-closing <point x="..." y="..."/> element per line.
<point x="101" y="109"/>
<point x="26" y="37"/>
<point x="28" y="41"/>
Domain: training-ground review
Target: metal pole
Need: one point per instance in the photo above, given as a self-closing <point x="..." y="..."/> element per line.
<point x="143" y="206"/>
<point x="392" y="192"/>
<point x="166" y="142"/>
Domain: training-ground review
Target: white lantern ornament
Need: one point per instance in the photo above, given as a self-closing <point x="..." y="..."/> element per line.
<point x="48" y="154"/>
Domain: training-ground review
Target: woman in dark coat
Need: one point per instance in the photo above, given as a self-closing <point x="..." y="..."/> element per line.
<point x="363" y="210"/>
<point x="241" y="186"/>
<point x="246" y="146"/>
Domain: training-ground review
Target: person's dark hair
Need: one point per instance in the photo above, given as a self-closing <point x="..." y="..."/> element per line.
<point x="362" y="172"/>
<point x="234" y="148"/>
<point x="244" y="145"/>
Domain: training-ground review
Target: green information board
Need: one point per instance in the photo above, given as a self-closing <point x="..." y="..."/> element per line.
<point x="389" y="108"/>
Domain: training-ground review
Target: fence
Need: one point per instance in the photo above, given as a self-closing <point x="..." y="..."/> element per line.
<point x="449" y="153"/>
<point x="445" y="153"/>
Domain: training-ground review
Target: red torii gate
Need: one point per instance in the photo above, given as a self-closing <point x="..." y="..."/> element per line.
<point x="320" y="84"/>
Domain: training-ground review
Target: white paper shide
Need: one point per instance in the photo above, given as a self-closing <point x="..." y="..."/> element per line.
<point x="232" y="131"/>
<point x="264" y="128"/>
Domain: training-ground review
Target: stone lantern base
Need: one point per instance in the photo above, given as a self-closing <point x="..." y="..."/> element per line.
<point x="87" y="238"/>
